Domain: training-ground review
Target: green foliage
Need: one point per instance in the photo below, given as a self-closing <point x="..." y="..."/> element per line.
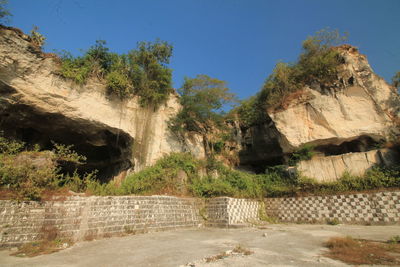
<point x="8" y="146"/>
<point x="119" y="85"/>
<point x="375" y="178"/>
<point x="332" y="221"/>
<point x="37" y="38"/>
<point x="78" y="69"/>
<point x="162" y="177"/>
<point x="303" y="153"/>
<point x="66" y="153"/>
<point x="21" y="173"/>
<point x="250" y="112"/>
<point x="394" y="239"/>
<point x="227" y="183"/>
<point x="4" y="12"/>
<point x="143" y="72"/>
<point x="151" y="77"/>
<point x="396" y="80"/>
<point x="202" y="100"/>
<point x="318" y="63"/>
<point x="76" y="182"/>
<point x="28" y="173"/>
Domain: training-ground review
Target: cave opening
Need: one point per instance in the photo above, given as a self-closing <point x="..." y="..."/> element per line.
<point x="360" y="144"/>
<point x="108" y="150"/>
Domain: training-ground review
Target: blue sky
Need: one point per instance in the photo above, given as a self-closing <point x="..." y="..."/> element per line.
<point x="238" y="41"/>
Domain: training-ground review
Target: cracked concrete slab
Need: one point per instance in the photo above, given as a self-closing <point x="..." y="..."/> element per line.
<point x="276" y="245"/>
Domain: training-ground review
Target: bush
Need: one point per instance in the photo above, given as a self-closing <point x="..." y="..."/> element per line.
<point x="77" y="69"/>
<point x="28" y="173"/>
<point x="303" y="153"/>
<point x="227" y="183"/>
<point x="162" y="177"/>
<point x="37" y="38"/>
<point x="318" y="63"/>
<point x="143" y="72"/>
<point x="119" y="85"/>
<point x="8" y="146"/>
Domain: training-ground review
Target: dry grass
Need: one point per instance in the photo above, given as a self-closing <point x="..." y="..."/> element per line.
<point x="354" y="251"/>
<point x="238" y="250"/>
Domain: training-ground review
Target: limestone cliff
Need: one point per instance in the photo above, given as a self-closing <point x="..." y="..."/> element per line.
<point x="38" y="105"/>
<point x="351" y="115"/>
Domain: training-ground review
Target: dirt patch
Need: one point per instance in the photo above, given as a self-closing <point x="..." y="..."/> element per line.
<point x="353" y="251"/>
<point x="51" y="242"/>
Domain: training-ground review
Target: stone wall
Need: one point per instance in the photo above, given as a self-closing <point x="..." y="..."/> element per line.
<point x="85" y="218"/>
<point x="231" y="212"/>
<point x="331" y="168"/>
<point x="372" y="208"/>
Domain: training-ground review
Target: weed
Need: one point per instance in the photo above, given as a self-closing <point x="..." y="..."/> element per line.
<point x="332" y="221"/>
<point x="128" y="230"/>
<point x="263" y="216"/>
<point x="238" y="250"/>
<point x="394" y="239"/>
<point x="354" y="251"/>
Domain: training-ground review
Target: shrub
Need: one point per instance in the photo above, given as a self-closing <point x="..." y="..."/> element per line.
<point x="8" y="146"/>
<point x="227" y="183"/>
<point x="318" y="63"/>
<point x="28" y="173"/>
<point x="119" y="85"/>
<point x="162" y="177"/>
<point x="143" y="72"/>
<point x="303" y="153"/>
<point x="78" y="69"/>
<point x="36" y="37"/>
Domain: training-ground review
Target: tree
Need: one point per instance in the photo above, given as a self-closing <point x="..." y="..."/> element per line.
<point x="202" y="99"/>
<point x="396" y="80"/>
<point x="4" y="12"/>
<point x="152" y="79"/>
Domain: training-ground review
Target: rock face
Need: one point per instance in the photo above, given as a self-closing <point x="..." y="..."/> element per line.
<point x="39" y="106"/>
<point x="352" y="115"/>
<point x="331" y="168"/>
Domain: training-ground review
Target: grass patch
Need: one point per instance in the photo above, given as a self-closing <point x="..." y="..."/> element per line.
<point x="354" y="251"/>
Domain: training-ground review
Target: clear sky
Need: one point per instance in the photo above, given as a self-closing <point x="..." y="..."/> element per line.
<point x="238" y="41"/>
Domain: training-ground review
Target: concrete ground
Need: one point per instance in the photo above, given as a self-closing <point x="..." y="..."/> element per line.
<point x="277" y="245"/>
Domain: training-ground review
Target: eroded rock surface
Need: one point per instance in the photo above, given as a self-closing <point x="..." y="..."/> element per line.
<point x="351" y="115"/>
<point x="38" y="105"/>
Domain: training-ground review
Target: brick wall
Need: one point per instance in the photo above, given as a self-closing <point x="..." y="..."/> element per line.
<point x="372" y="208"/>
<point x="83" y="218"/>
